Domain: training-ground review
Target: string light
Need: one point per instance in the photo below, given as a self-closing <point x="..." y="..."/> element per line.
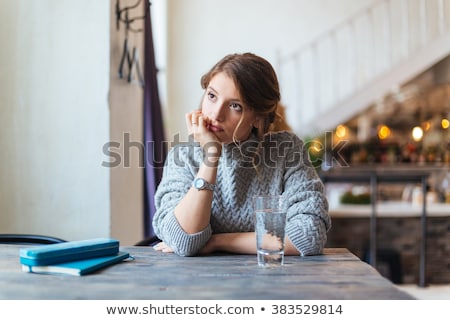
<point x="426" y="125"/>
<point x="341" y="131"/>
<point x="384" y="132"/>
<point x="417" y="133"/>
<point x="316" y="146"/>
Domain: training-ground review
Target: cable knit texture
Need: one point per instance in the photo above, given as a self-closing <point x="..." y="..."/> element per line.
<point x="283" y="168"/>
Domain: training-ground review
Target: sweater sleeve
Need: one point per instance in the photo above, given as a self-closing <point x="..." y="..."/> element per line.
<point x="307" y="208"/>
<point x="179" y="172"/>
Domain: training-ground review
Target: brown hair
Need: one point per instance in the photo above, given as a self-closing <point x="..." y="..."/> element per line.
<point x="258" y="86"/>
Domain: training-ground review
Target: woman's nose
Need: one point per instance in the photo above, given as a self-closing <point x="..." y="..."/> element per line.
<point x="218" y="113"/>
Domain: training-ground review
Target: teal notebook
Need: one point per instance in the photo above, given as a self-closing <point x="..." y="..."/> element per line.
<point x="79" y="267"/>
<point x="68" y="251"/>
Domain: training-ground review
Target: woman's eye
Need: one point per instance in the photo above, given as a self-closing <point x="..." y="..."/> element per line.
<point x="236" y="107"/>
<point x="211" y="96"/>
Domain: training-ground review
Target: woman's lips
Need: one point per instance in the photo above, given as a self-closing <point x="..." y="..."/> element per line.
<point x="214" y="128"/>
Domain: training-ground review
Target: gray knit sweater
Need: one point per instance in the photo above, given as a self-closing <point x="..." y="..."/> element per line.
<point x="283" y="168"/>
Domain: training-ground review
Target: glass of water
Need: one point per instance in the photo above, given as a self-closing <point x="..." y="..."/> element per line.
<point x="270" y="224"/>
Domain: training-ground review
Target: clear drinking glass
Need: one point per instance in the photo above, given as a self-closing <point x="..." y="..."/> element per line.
<point x="270" y="224"/>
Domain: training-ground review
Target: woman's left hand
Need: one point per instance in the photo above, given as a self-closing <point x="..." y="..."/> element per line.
<point x="163" y="247"/>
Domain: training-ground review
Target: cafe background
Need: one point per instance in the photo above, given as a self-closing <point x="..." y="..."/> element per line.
<point x="365" y="71"/>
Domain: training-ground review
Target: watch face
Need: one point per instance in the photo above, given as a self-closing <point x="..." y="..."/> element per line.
<point x="199" y="183"/>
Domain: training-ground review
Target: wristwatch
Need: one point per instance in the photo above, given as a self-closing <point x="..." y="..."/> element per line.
<point x="202" y="184"/>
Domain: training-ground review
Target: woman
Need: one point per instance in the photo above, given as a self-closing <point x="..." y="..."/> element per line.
<point x="241" y="148"/>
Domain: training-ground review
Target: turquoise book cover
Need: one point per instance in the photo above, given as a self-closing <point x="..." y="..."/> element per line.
<point x="68" y="251"/>
<point x="79" y="267"/>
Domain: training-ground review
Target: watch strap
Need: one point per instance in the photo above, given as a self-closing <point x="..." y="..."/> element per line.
<point x="202" y="184"/>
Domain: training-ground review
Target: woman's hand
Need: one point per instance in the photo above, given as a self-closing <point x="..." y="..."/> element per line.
<point x="198" y="125"/>
<point x="163" y="247"/>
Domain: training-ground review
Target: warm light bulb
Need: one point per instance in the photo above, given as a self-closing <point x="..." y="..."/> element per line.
<point x="384" y="132"/>
<point x="417" y="133"/>
<point x="316" y="146"/>
<point x="426" y="125"/>
<point x="341" y="131"/>
<point x="445" y="123"/>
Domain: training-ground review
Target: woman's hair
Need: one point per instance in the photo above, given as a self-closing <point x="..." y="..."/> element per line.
<point x="258" y="86"/>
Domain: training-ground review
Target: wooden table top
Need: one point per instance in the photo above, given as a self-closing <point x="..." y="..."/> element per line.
<point x="337" y="274"/>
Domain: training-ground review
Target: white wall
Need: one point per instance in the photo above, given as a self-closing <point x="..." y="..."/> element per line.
<point x="202" y="31"/>
<point x="54" y="118"/>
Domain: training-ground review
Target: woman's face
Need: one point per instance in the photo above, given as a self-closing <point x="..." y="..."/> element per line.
<point x="223" y="107"/>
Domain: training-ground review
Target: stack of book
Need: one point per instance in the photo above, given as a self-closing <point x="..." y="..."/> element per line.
<point x="73" y="257"/>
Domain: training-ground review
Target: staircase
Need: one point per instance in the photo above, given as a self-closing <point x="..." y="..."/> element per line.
<point x="371" y="54"/>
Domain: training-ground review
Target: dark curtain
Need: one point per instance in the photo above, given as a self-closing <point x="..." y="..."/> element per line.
<point x="154" y="146"/>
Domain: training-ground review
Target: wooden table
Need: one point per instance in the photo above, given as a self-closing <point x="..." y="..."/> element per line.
<point x="337" y="274"/>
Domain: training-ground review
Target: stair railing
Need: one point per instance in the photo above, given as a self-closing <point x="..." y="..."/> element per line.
<point x="347" y="58"/>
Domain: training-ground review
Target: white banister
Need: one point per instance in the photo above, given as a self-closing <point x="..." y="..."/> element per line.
<point x="423" y="21"/>
<point x="406" y="33"/>
<point x="441" y="18"/>
<point x="353" y="56"/>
